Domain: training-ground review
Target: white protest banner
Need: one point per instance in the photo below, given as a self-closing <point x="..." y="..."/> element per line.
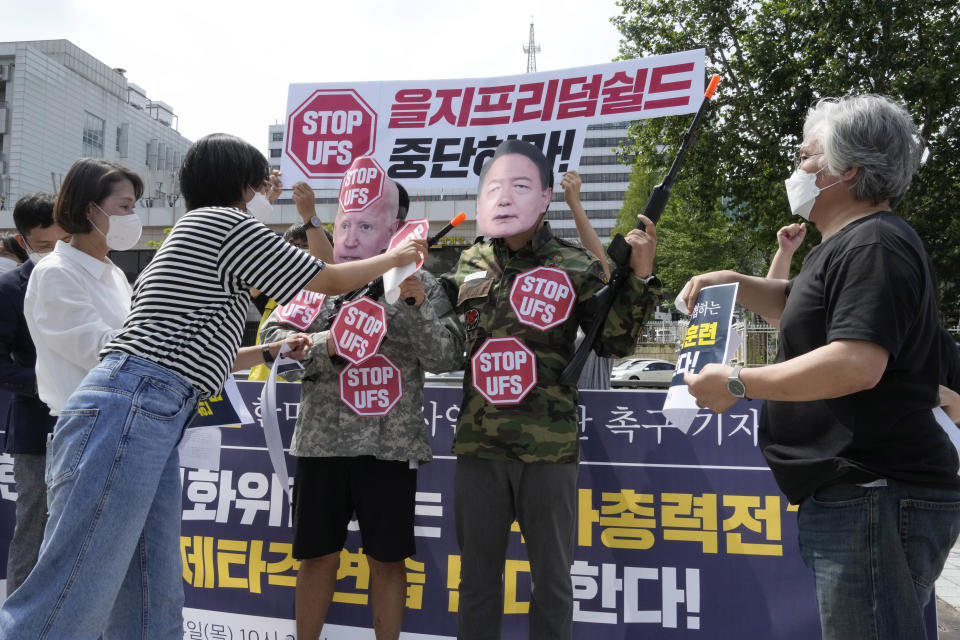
<point x="269" y="420"/>
<point x="438" y="133"/>
<point x="199" y="447"/>
<point x="709" y="338"/>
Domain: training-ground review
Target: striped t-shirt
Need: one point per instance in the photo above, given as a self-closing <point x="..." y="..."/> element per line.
<point x="190" y="303"/>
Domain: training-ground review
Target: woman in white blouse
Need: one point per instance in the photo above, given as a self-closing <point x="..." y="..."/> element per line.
<point x="77" y="298"/>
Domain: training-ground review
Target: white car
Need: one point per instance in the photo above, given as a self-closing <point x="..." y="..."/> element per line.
<point x="643" y="372"/>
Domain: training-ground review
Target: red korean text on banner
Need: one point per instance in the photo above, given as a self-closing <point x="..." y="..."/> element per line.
<point x="302" y="310"/>
<point x="359" y="329"/>
<point x="373" y="387"/>
<point x="542" y="297"/>
<point x="329" y="130"/>
<point x="412" y="229"/>
<point x="504" y="370"/>
<point x="362" y="185"/>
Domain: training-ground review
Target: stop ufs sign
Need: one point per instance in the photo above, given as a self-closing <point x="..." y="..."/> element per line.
<point x="372" y="387"/>
<point x="302" y="310"/>
<point x="504" y="370"/>
<point x="542" y="297"/>
<point x="329" y="130"/>
<point x="359" y="329"/>
<point x="412" y="229"/>
<point x="362" y="185"/>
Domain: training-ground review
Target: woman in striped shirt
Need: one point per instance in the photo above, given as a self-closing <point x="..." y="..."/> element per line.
<point x="110" y="564"/>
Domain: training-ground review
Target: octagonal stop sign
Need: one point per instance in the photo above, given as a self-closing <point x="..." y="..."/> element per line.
<point x="504" y="370"/>
<point x="329" y="130"/>
<point x="362" y="185"/>
<point x="359" y="329"/>
<point x="542" y="297"/>
<point x="372" y="387"/>
<point x="411" y="229"/>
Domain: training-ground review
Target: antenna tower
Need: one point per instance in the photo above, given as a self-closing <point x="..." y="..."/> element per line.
<point x="531" y="49"/>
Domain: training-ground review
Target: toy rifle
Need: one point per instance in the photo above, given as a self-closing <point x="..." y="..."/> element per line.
<point x="619" y="249"/>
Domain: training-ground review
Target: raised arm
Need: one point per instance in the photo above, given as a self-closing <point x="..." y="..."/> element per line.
<point x="588" y="235"/>
<point x="340" y="278"/>
<point x="305" y="199"/>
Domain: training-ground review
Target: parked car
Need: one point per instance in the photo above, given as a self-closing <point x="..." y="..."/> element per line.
<point x="642" y="372"/>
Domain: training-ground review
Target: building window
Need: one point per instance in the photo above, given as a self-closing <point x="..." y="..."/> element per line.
<point x="93" y="134"/>
<point x="275" y="153"/>
<point x="276" y="136"/>
<point x="604" y="142"/>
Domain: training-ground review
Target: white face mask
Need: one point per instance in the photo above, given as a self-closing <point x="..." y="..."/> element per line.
<point x="6" y="264"/>
<point x="259" y="207"/>
<point x="802" y="192"/>
<point x="35" y="256"/>
<point x="123" y="232"/>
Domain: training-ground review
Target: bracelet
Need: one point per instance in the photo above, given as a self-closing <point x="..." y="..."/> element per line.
<point x="267" y="356"/>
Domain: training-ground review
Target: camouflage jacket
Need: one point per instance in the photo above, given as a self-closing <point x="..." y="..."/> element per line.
<point x="425" y="338"/>
<point x="543" y="426"/>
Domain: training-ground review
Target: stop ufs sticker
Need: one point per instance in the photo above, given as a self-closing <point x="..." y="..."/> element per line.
<point x="412" y="229"/>
<point x="362" y="185"/>
<point x="302" y="310"/>
<point x="542" y="297"/>
<point x="504" y="370"/>
<point x="359" y="329"/>
<point x="372" y="387"/>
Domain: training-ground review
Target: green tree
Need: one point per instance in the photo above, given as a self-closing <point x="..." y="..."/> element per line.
<point x="776" y="58"/>
<point x="690" y="240"/>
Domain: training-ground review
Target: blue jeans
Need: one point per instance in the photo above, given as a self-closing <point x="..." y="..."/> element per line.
<point x="110" y="561"/>
<point x="875" y="553"/>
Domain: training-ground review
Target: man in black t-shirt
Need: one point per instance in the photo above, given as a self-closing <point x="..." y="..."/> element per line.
<point x="847" y="427"/>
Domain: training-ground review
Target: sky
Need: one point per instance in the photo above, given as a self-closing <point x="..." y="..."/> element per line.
<point x="225" y="66"/>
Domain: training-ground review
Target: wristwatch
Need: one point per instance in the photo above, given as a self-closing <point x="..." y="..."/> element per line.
<point x="267" y="356"/>
<point x="652" y="281"/>
<point x="735" y="385"/>
<point x="313" y="222"/>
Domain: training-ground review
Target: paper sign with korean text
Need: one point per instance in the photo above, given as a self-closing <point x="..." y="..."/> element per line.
<point x="438" y="133"/>
<point x="709" y="338"/>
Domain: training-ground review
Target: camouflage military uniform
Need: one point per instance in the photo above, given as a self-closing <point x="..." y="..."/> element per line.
<point x="543" y="426"/>
<point x="519" y="461"/>
<point x="424" y="338"/>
